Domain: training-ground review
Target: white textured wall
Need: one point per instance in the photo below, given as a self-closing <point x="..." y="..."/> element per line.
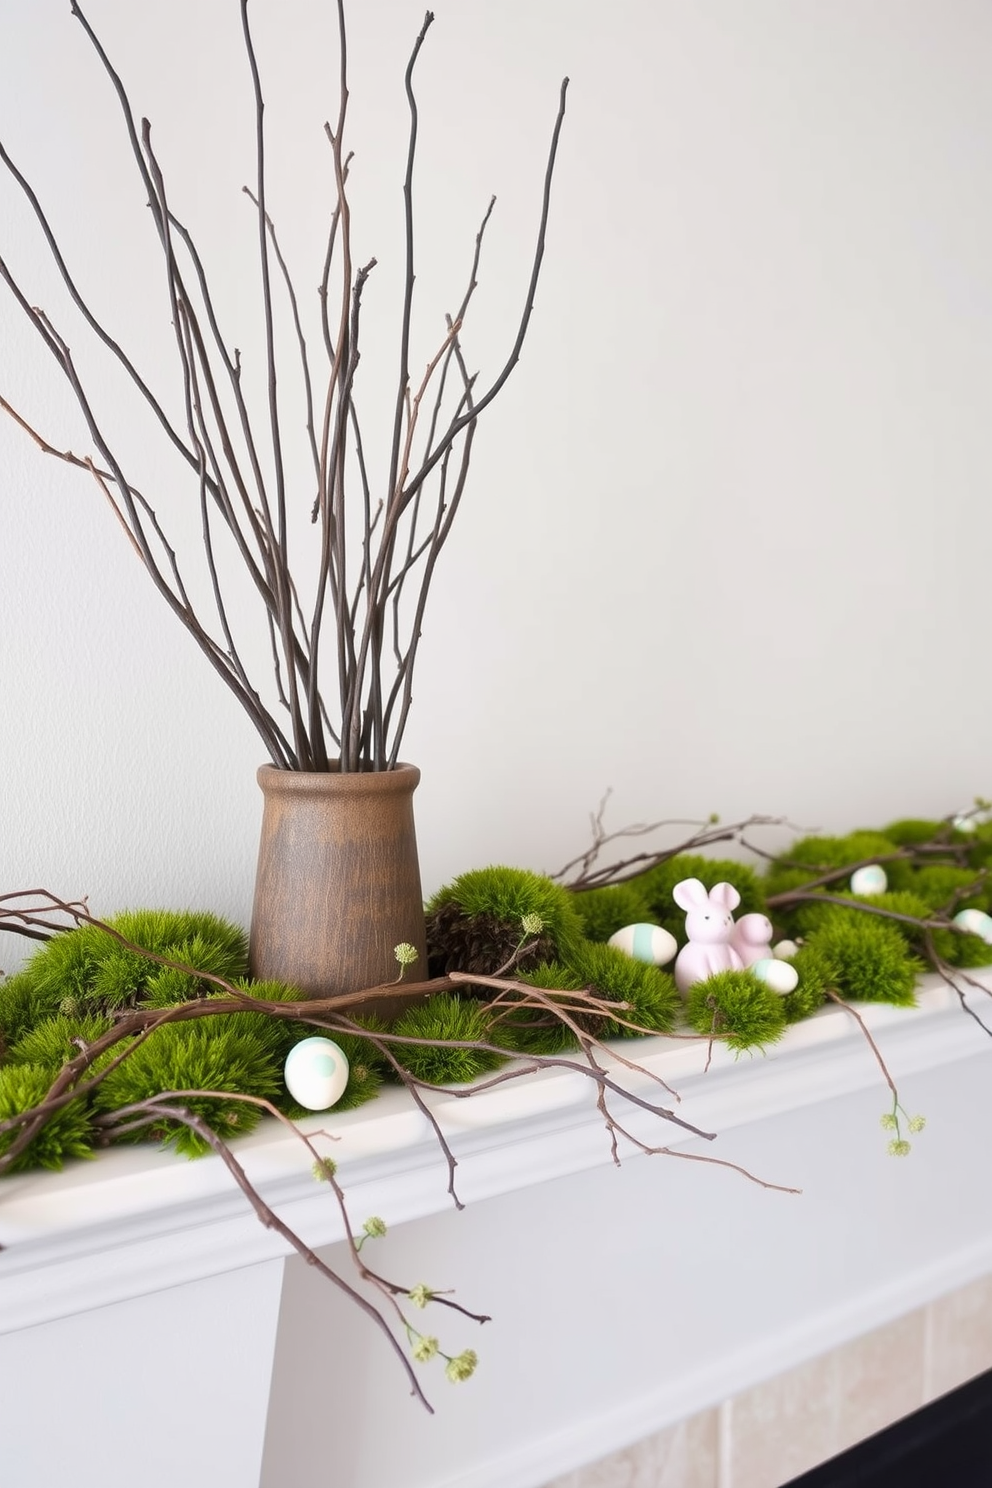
<point x="727" y="537"/>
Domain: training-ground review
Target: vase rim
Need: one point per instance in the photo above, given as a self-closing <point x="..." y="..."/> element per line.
<point x="402" y="777"/>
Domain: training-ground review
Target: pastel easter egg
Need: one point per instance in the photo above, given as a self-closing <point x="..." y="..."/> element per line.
<point x="650" y="943"/>
<point x="785" y="950"/>
<point x="316" y="1073"/>
<point x="779" y="976"/>
<point x="976" y="922"/>
<point x="869" y="880"/>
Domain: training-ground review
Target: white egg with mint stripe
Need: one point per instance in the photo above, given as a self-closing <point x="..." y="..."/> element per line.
<point x="778" y="976"/>
<point x="869" y="880"/>
<point x="650" y="943"/>
<point x="976" y="922"/>
<point x="316" y="1073"/>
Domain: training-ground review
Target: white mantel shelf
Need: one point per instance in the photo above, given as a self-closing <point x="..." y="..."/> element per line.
<point x="138" y="1220"/>
<point x="623" y="1301"/>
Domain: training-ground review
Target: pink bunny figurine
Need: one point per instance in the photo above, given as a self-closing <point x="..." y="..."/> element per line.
<point x="752" y="938"/>
<point x="709" y="925"/>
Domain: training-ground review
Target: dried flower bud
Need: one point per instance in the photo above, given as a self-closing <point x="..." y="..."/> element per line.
<point x="532" y="923"/>
<point x="420" y="1294"/>
<point x="462" y="1367"/>
<point x="917" y="1123"/>
<point x="324" y="1169"/>
<point x="375" y="1227"/>
<point x="424" y="1348"/>
<point x="899" y="1148"/>
<point x="888" y="1122"/>
<point x="405" y="953"/>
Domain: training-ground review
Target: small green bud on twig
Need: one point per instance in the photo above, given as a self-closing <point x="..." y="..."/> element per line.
<point x="324" y="1169"/>
<point x="462" y="1367"/>
<point x="420" y="1295"/>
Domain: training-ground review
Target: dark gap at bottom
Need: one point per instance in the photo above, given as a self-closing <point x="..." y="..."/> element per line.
<point x="947" y="1444"/>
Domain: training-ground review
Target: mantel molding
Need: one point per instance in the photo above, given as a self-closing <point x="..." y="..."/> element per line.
<point x="137" y="1220"/>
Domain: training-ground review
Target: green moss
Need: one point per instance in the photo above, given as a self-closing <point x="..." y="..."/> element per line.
<point x="204" y="1055"/>
<point x="605" y="911"/>
<point x="89" y="966"/>
<point x="536" y="1030"/>
<point x="443" y="1018"/>
<point x="278" y="1035"/>
<point x="510" y="894"/>
<point x="817" y="855"/>
<point x="735" y="1007"/>
<point x="66" y="1134"/>
<point x="22" y="1006"/>
<point x="53" y="1041"/>
<point x="651" y="992"/>
<point x="870" y="960"/>
<point x="657" y="884"/>
<point x="816" y="974"/>
<point x="944" y="886"/>
<point x="910" y="831"/>
<point x="480" y="921"/>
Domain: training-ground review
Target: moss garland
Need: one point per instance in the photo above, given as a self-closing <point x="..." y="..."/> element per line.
<point x="547" y="936"/>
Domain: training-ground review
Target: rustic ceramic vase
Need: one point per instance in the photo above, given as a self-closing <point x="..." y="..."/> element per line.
<point x="338" y="880"/>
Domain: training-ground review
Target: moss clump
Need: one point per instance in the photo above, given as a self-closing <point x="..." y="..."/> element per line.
<point x="816" y="975"/>
<point x="54" y="1041"/>
<point x="477" y="923"/>
<point x="277" y="1035"/>
<point x="945" y="886"/>
<point x="736" y="1008"/>
<point x="538" y="1030"/>
<point x="657" y="884"/>
<point x="22" y="1007"/>
<point x="653" y="1000"/>
<point x="206" y="1055"/>
<point x="605" y="911"/>
<point x="66" y="1134"/>
<point x="870" y="961"/>
<point x="911" y="831"/>
<point x="819" y="855"/>
<point x="446" y="1017"/>
<point x="90" y="968"/>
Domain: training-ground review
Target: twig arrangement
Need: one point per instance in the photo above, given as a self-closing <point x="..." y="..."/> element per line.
<point x="378" y="539"/>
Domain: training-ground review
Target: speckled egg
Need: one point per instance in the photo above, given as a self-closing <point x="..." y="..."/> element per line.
<point x="316" y="1073"/>
<point x="650" y="943"/>
<point x="869" y="880"/>
<point x="779" y="976"/>
<point x="976" y="922"/>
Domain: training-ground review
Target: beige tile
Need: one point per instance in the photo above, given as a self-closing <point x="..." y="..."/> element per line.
<point x="789" y="1424"/>
<point x="783" y="1427"/>
<point x="959" y="1337"/>
<point x="682" y="1456"/>
<point x="879" y="1379"/>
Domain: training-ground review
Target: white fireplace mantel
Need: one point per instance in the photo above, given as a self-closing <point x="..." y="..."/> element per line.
<point x="729" y="1283"/>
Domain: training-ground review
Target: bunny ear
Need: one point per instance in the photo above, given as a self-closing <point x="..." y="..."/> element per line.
<point x="725" y="895"/>
<point x="689" y="893"/>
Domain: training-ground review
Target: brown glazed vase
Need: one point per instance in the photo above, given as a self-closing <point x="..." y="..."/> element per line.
<point x="338" y="881"/>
